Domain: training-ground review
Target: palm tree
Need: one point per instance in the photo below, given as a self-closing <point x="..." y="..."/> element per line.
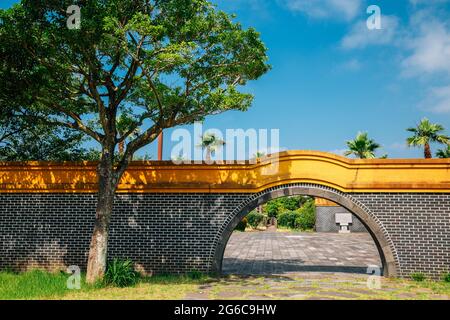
<point x="443" y="153"/>
<point x="211" y="143"/>
<point x="426" y="133"/>
<point x="362" y="147"/>
<point x="259" y="155"/>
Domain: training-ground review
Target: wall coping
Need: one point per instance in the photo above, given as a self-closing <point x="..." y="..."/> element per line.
<point x="343" y="174"/>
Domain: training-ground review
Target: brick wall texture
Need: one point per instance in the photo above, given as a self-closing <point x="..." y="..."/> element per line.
<point x="326" y="220"/>
<point x="177" y="233"/>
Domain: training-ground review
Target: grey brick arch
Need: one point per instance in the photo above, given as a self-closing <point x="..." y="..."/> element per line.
<point x="376" y="228"/>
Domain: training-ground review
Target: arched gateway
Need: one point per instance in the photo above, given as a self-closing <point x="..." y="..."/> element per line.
<point x="373" y="225"/>
<point x="178" y="218"/>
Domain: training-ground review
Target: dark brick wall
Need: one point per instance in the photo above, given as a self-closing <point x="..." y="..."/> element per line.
<point x="178" y="232"/>
<point x="326" y="220"/>
<point x="419" y="226"/>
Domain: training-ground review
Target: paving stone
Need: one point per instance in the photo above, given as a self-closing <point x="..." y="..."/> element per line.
<point x="298" y="297"/>
<point x="286" y="252"/>
<point x="338" y="294"/>
<point x="197" y="296"/>
<point x="363" y="291"/>
<point x="319" y="298"/>
<point x="407" y="296"/>
<point x="230" y="294"/>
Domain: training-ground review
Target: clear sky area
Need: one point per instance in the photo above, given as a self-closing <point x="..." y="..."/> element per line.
<point x="332" y="77"/>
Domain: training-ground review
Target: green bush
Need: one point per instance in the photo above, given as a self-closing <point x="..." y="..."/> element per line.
<point x="277" y="206"/>
<point x="287" y="219"/>
<point x="120" y="273"/>
<point x="242" y="225"/>
<point x="304" y="218"/>
<point x="195" y="275"/>
<point x="255" y="219"/>
<point x="446" y="277"/>
<point x="418" y="276"/>
<point x="273" y="208"/>
<point x="307" y="218"/>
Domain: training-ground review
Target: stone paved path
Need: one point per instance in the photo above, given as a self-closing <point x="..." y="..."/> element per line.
<point x="285" y="252"/>
<point x="317" y="286"/>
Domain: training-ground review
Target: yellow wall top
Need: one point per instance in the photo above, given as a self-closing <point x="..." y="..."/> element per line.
<point x="348" y="175"/>
<point x="321" y="202"/>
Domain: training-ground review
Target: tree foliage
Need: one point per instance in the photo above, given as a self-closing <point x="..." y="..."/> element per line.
<point x="211" y="143"/>
<point x="255" y="219"/>
<point x="133" y="64"/>
<point x="443" y="153"/>
<point x="426" y="133"/>
<point x="362" y="146"/>
<point x="303" y="218"/>
<point x="133" y="69"/>
<point x="274" y="207"/>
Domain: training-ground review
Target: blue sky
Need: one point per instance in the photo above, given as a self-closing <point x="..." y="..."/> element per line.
<point x="332" y="77"/>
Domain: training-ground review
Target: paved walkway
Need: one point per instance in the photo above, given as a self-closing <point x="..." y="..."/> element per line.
<point x="318" y="286"/>
<point x="285" y="252"/>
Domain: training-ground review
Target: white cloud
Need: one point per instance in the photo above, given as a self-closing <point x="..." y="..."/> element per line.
<point x="360" y="36"/>
<point x="429" y="49"/>
<point x="338" y="9"/>
<point x="351" y="65"/>
<point x="438" y="100"/>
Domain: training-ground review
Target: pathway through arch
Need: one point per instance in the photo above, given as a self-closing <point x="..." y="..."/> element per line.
<point x="271" y="252"/>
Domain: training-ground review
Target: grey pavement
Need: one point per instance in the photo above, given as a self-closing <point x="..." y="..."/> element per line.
<point x="285" y="252"/>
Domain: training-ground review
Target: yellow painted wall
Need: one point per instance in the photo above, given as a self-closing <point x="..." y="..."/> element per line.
<point x="348" y="175"/>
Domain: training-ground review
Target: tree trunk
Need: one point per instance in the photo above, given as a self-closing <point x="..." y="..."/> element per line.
<point x="99" y="241"/>
<point x="121" y="147"/>
<point x="208" y="155"/>
<point x="427" y="151"/>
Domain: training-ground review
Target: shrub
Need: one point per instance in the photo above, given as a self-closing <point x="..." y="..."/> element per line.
<point x="273" y="208"/>
<point x="121" y="273"/>
<point x="255" y="219"/>
<point x="195" y="275"/>
<point x="280" y="205"/>
<point x="418" y="276"/>
<point x="304" y="218"/>
<point x="287" y="219"/>
<point x="242" y="225"/>
<point x="446" y="277"/>
<point x="307" y="218"/>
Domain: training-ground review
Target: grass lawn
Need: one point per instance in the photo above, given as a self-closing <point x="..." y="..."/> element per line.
<point x="43" y="285"/>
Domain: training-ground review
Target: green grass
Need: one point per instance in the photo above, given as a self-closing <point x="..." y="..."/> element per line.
<point x="32" y="285"/>
<point x="418" y="276"/>
<point x="446" y="277"/>
<point x="286" y="229"/>
<point x="44" y="285"/>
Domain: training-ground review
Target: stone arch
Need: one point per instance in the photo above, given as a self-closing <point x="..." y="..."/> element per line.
<point x="378" y="232"/>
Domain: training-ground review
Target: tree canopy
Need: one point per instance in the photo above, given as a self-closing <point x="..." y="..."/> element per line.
<point x="132" y="69"/>
<point x="426" y="133"/>
<point x="132" y="64"/>
<point x="362" y="146"/>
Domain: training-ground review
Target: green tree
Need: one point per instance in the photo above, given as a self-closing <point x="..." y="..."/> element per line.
<point x="307" y="218"/>
<point x="443" y="153"/>
<point x="211" y="143"/>
<point x="362" y="146"/>
<point x="274" y="207"/>
<point x="41" y="143"/>
<point x="23" y="141"/>
<point x="426" y="133"/>
<point x="160" y="64"/>
<point x="255" y="219"/>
